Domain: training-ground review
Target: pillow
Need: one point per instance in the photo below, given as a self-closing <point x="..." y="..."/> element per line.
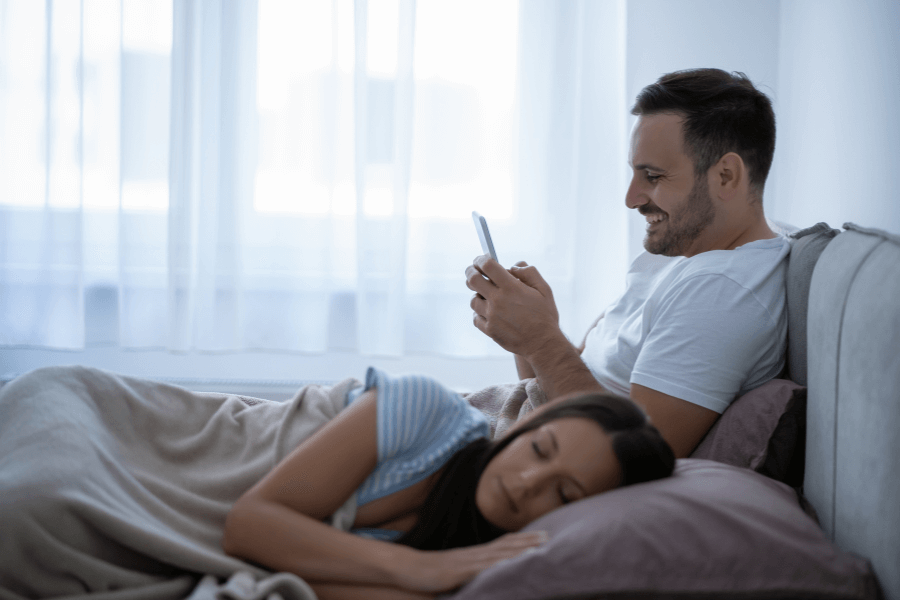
<point x="711" y="530"/>
<point x="763" y="430"/>
<point x="806" y="246"/>
<point x="781" y="228"/>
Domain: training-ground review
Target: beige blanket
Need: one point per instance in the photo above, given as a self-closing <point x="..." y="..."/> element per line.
<point x="115" y="487"/>
<point x="505" y="404"/>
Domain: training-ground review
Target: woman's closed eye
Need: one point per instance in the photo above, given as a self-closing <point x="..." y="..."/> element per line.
<point x="563" y="497"/>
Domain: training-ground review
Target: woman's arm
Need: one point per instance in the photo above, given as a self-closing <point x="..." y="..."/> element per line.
<point x="339" y="591"/>
<point x="278" y="522"/>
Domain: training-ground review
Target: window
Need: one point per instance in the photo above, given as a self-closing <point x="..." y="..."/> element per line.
<point x="279" y="175"/>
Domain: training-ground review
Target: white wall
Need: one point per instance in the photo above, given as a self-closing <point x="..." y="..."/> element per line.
<point x="602" y="230"/>
<point x="839" y="127"/>
<point x="665" y="36"/>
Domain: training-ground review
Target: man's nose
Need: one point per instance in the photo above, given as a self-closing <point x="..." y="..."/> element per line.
<point x="635" y="197"/>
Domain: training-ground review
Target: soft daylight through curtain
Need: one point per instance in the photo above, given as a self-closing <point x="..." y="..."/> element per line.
<point x="280" y="175"/>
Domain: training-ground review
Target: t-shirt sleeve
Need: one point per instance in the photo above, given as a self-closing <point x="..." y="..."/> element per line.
<point x="420" y="425"/>
<point x="706" y="336"/>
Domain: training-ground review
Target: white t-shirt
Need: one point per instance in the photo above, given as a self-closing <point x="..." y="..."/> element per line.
<point x="704" y="329"/>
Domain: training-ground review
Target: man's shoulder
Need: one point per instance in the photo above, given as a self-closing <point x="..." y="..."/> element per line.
<point x="758" y="264"/>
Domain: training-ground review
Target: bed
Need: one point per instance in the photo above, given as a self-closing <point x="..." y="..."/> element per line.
<point x="795" y="493"/>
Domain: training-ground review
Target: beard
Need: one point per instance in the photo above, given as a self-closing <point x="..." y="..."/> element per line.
<point x="678" y="230"/>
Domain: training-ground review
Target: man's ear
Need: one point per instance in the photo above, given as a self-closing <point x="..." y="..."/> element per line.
<point x="729" y="176"/>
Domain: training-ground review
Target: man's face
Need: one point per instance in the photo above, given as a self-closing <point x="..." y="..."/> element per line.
<point x="677" y="206"/>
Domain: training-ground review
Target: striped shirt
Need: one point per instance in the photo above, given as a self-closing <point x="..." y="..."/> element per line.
<point x="421" y="424"/>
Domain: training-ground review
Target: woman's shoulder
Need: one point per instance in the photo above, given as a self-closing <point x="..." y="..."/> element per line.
<point x="416" y="412"/>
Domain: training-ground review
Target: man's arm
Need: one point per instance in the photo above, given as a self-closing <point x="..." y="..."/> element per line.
<point x="523" y="367"/>
<point x="681" y="423"/>
<point x="516" y="309"/>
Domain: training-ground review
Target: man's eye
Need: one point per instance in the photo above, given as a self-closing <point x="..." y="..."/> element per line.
<point x="653" y="178"/>
<point x="563" y="498"/>
<point x="537" y="449"/>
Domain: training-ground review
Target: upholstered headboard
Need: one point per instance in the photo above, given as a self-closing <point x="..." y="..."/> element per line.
<point x="852" y="475"/>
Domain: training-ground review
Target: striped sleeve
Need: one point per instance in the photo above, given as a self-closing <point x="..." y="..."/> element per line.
<point x="421" y="424"/>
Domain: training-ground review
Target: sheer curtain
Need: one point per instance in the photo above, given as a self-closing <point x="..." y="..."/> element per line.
<point x="287" y="176"/>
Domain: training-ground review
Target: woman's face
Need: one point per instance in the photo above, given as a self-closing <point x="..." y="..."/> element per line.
<point x="559" y="462"/>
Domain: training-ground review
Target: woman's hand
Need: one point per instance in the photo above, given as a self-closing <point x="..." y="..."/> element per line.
<point x="433" y="572"/>
<point x="444" y="570"/>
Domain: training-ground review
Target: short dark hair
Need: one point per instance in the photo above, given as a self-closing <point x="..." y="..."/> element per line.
<point x="723" y="112"/>
<point x="449" y="517"/>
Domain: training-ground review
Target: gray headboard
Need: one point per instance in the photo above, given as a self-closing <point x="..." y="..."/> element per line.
<point x="852" y="475"/>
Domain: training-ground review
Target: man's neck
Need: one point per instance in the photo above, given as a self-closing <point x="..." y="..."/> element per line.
<point x="729" y="236"/>
<point x="759" y="230"/>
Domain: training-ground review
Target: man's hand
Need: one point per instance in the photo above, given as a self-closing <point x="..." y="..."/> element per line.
<point x="515" y="308"/>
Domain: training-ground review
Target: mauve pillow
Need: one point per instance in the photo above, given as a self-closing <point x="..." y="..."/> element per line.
<point x="763" y="430"/>
<point x="710" y="530"/>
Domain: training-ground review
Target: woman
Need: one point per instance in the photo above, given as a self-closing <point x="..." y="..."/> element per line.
<point x="130" y="488"/>
<point x="423" y="473"/>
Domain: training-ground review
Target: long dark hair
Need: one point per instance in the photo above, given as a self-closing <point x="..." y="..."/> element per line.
<point x="449" y="517"/>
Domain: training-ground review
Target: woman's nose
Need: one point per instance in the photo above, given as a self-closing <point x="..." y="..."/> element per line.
<point x="527" y="483"/>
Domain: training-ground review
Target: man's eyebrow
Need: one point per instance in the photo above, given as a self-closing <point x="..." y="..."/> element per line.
<point x="556" y="448"/>
<point x="648" y="167"/>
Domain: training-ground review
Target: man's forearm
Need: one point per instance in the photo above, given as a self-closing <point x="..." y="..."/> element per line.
<point x="560" y="371"/>
<point x="523" y="368"/>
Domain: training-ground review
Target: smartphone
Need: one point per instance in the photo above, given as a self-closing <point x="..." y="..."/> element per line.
<point x="484" y="235"/>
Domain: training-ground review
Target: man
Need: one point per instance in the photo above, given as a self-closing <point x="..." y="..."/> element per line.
<point x="703" y="317"/>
